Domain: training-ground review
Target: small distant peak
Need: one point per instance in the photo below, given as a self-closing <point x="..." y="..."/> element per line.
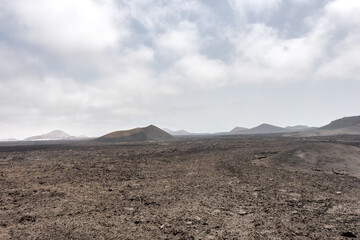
<point x="298" y="127"/>
<point x="57" y="131"/>
<point x="265" y="125"/>
<point x="151" y="126"/>
<point x="54" y="135"/>
<point x="238" y="128"/>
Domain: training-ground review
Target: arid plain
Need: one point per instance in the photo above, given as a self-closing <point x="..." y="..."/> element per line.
<point x="234" y="187"/>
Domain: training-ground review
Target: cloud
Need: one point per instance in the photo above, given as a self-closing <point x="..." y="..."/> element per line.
<point x="197" y="71"/>
<point x="264" y="56"/>
<point x="257" y="8"/>
<point x="155" y="16"/>
<point x="113" y="61"/>
<point x="344" y="12"/>
<point x="65" y="25"/>
<point x="342" y="64"/>
<point x="16" y="63"/>
<point x="302" y="2"/>
<point x="337" y="28"/>
<point x="180" y="41"/>
<point x="326" y="52"/>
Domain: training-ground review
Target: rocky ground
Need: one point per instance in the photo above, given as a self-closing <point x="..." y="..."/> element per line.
<point x="188" y="189"/>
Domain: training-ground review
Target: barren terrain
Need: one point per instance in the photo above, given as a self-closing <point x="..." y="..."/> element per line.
<point x="205" y="188"/>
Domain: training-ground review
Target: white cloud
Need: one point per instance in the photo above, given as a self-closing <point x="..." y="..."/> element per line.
<point x="337" y="28"/>
<point x="327" y="51"/>
<point x="260" y="8"/>
<point x="343" y="64"/>
<point x="78" y="60"/>
<point x="179" y="42"/>
<point x="196" y="71"/>
<point x="262" y="55"/>
<point x="155" y="16"/>
<point x="65" y="25"/>
<point x="343" y="12"/>
<point x="303" y="2"/>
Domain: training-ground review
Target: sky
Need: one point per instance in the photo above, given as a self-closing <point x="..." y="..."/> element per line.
<point x="89" y="67"/>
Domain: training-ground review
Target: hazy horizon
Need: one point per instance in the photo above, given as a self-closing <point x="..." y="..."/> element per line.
<point x="163" y="128"/>
<point x="90" y="67"/>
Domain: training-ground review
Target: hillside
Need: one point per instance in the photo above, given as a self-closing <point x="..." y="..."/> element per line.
<point x="149" y="133"/>
<point x="346" y="122"/>
<point x="342" y="126"/>
<point x="300" y="128"/>
<point x="261" y="129"/>
<point x="179" y="132"/>
<point x="266" y="128"/>
<point x="238" y="130"/>
<point x="54" y="135"/>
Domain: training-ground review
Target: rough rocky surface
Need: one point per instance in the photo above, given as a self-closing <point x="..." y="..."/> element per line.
<point x="218" y="188"/>
<point x="326" y="157"/>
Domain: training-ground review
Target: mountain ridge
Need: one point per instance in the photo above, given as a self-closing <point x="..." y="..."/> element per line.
<point x="53" y="135"/>
<point x="178" y="132"/>
<point x="341" y="126"/>
<point x="344" y="122"/>
<point x="263" y="128"/>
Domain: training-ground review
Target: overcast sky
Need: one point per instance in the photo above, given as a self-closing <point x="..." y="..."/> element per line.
<point x="95" y="66"/>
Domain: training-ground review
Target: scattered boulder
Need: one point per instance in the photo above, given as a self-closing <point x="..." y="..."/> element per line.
<point x="348" y="235"/>
<point x="27" y="218"/>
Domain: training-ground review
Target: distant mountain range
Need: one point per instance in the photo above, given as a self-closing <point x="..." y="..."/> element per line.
<point x="54" y="135"/>
<point x="261" y="129"/>
<point x="149" y="133"/>
<point x="343" y="126"/>
<point x="300" y="128"/>
<point x="8" y="140"/>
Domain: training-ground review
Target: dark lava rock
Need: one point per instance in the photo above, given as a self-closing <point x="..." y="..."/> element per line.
<point x="348" y="235"/>
<point x="27" y="218"/>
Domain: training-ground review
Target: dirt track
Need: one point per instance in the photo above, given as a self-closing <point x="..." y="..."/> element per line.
<point x="190" y="189"/>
